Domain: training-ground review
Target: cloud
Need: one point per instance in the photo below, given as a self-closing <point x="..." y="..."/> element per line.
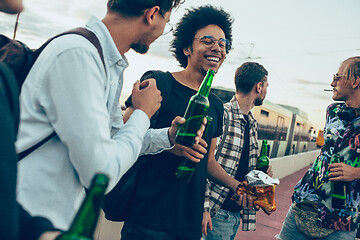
<point x="309" y="82"/>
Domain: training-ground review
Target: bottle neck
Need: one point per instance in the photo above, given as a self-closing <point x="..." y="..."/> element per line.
<point x="336" y="158"/>
<point x="264" y="149"/>
<point x="205" y="87"/>
<point x="85" y="221"/>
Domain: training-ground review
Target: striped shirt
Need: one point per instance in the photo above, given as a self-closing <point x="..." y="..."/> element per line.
<point x="228" y="153"/>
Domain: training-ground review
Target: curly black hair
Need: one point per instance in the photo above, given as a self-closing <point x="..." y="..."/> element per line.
<point x="247" y="75"/>
<point x="193" y="20"/>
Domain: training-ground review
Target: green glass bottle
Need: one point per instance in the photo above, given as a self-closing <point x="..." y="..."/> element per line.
<point x="85" y="221"/>
<point x="186" y="167"/>
<point x="338" y="189"/>
<point x="195" y="112"/>
<point x="262" y="162"/>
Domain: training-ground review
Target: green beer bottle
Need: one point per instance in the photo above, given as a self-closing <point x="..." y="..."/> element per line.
<point x="338" y="189"/>
<point x="186" y="167"/>
<point x="195" y="112"/>
<point x="262" y="162"/>
<point x="84" y="223"/>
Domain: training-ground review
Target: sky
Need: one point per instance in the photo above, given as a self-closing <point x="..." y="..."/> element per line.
<point x="300" y="42"/>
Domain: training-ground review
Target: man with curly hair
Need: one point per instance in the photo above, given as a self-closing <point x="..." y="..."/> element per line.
<point x="165" y="207"/>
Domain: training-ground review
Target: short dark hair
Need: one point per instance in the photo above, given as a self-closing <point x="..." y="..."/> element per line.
<point x="133" y="8"/>
<point x="247" y="75"/>
<point x="193" y="20"/>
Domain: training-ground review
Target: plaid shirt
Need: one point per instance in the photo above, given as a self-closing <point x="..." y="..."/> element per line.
<point x="229" y="157"/>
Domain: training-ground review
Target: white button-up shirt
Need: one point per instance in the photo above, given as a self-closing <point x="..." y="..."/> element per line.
<point x="69" y="91"/>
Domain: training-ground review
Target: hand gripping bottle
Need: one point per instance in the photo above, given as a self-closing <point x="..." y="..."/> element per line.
<point x="195" y="112"/>
<point x="338" y="189"/>
<point x="186" y="167"/>
<point x="85" y="221"/>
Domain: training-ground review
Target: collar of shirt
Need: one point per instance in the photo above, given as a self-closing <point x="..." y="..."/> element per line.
<point x="238" y="115"/>
<point x="111" y="53"/>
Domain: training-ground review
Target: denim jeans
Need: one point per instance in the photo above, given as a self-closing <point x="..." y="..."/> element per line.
<point x="131" y="231"/>
<point x="225" y="226"/>
<point x="289" y="231"/>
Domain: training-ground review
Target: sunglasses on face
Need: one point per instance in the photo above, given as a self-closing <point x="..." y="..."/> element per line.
<point x="337" y="77"/>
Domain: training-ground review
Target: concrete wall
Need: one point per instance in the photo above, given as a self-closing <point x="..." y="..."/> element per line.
<point x="284" y="166"/>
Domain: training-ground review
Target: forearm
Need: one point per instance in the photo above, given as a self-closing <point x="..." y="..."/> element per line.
<point x="219" y="176"/>
<point x="216" y="173"/>
<point x="155" y="141"/>
<point x="207" y="196"/>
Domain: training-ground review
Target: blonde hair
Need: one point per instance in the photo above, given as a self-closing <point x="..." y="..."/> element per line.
<point x="352" y="67"/>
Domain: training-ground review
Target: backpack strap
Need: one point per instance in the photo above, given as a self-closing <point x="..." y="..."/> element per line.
<point x="36" y="146"/>
<point x="89" y="35"/>
<point x="163" y="83"/>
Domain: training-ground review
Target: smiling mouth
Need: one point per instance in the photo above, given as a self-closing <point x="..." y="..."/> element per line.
<point x="213" y="59"/>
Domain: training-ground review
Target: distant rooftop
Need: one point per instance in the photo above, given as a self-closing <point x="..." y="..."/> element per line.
<point x="295" y="110"/>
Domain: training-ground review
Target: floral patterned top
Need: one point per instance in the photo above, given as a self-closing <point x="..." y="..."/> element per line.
<point x="341" y="137"/>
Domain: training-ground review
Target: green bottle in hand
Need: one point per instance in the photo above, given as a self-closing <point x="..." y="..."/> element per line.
<point x="262" y="162"/>
<point x="338" y="189"/>
<point x="85" y="221"/>
<point x="186" y="168"/>
<point x="195" y="112"/>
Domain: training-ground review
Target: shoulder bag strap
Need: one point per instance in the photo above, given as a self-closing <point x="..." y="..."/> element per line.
<point x="89" y="35"/>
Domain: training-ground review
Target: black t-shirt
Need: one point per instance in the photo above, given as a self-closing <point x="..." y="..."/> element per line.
<point x="229" y="204"/>
<point x="162" y="202"/>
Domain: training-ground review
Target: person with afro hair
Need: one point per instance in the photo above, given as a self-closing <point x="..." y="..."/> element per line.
<point x="164" y="207"/>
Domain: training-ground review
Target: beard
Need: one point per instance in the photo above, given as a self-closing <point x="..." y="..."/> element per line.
<point x="139" y="48"/>
<point x="258" y="101"/>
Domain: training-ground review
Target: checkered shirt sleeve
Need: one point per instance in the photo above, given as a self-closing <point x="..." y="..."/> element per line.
<point x="229" y="157"/>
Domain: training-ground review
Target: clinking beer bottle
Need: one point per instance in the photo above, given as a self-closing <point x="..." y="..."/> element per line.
<point x="84" y="223"/>
<point x="262" y="162"/>
<point x="186" y="167"/>
<point x="338" y="189"/>
<point x="195" y="112"/>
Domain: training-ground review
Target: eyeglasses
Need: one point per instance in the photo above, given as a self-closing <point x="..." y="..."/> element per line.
<point x="168" y="27"/>
<point x="336" y="76"/>
<point x="209" y="41"/>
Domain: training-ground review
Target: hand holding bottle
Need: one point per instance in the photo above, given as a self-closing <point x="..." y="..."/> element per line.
<point x="343" y="172"/>
<point x="269" y="171"/>
<point x="194" y="154"/>
<point x="177" y="122"/>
